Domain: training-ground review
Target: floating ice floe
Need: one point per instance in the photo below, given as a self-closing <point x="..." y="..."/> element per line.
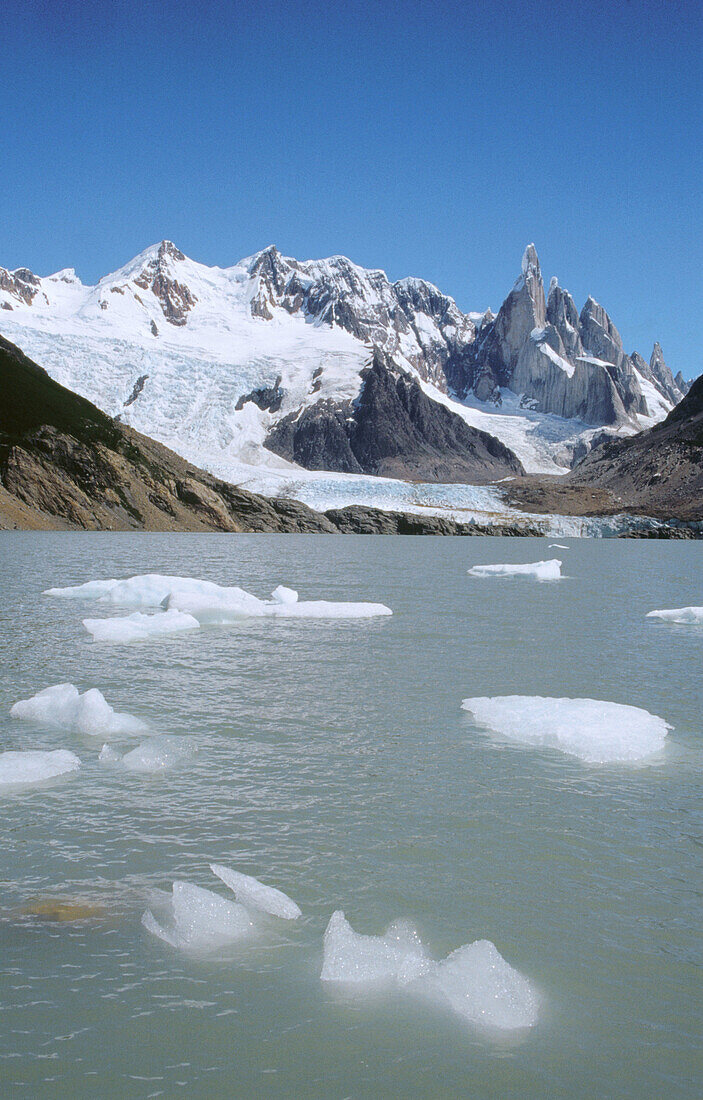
<point x="185" y="603"/>
<point x="595" y="731"/>
<point x="396" y="956"/>
<point x="474" y="981"/>
<point x="557" y="546"/>
<point x="250" y="892"/>
<point x="155" y="755"/>
<point x="540" y="570"/>
<point x="688" y="616"/>
<point x="198" y="919"/>
<point x="35" y="765"/>
<point x="136" y="627"/>
<point x="63" y="707"/>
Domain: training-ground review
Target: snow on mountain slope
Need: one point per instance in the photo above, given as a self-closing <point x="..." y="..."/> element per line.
<point x="208" y="360"/>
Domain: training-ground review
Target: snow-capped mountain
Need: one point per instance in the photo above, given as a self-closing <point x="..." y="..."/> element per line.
<point x="274" y="364"/>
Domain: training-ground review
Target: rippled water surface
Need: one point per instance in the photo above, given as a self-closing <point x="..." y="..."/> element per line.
<point x="334" y="761"/>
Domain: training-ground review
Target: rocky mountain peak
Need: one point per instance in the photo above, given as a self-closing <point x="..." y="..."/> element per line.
<point x="175" y="298"/>
<point x="562" y="314"/>
<point x="599" y="335"/>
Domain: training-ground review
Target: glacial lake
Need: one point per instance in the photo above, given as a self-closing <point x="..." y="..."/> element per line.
<point x="334" y="761"/>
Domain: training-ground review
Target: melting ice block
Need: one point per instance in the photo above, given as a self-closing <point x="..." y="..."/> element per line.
<point x="155" y="755"/>
<point x="284" y="595"/>
<point x="136" y="627"/>
<point x="480" y="986"/>
<point x="198" y="919"/>
<point x="595" y="731"/>
<point x="249" y="891"/>
<point x="63" y="707"/>
<point x="396" y="956"/>
<point x="557" y="546"/>
<point x="474" y="981"/>
<point x="688" y="616"/>
<point x="185" y="603"/>
<point x="35" y="765"/>
<point x="540" y="570"/>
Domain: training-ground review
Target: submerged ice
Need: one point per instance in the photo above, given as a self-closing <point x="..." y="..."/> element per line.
<point x="155" y="755"/>
<point x="184" y="603"/>
<point x="540" y="570"/>
<point x="63" y="707"/>
<point x="35" y="765"/>
<point x="597" y="732"/>
<point x="687" y="616"/>
<point x="474" y="981"/>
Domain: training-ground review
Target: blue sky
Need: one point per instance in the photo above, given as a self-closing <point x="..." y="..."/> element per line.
<point x="432" y="139"/>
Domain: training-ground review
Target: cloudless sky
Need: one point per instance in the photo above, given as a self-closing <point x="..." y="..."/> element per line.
<point x="427" y="138"/>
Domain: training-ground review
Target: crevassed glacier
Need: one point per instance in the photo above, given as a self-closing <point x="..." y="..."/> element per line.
<point x="474" y="981"/>
<point x="540" y="570"/>
<point x="35" y="765"/>
<point x="688" y="616"/>
<point x="250" y="892"/>
<point x="61" y="706"/>
<point x="595" y="731"/>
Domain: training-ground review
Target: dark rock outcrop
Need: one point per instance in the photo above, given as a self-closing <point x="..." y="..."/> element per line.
<point x="393" y="430"/>
<point x="175" y="299"/>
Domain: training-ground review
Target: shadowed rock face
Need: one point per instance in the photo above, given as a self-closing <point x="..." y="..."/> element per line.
<point x="393" y="430"/>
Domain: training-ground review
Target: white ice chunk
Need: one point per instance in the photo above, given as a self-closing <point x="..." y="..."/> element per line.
<point x="199" y="919"/>
<point x="136" y="627"/>
<point x="540" y="570"/>
<point x="396" y="956"/>
<point x="63" y="707"/>
<point x="474" y="981"/>
<point x="249" y="891"/>
<point x="689" y="616"/>
<point x="91" y="590"/>
<point x="186" y="603"/>
<point x="595" y="731"/>
<point x="284" y="595"/>
<point x="35" y="765"/>
<point x="557" y="546"/>
<point x="481" y="987"/>
<point x="155" y="755"/>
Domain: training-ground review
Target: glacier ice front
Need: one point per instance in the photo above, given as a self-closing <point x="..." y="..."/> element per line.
<point x="62" y="706"/>
<point x="540" y="570"/>
<point x="184" y="603"/>
<point x="687" y="616"/>
<point x="23" y="768"/>
<point x="474" y="981"/>
<point x="597" y="732"/>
